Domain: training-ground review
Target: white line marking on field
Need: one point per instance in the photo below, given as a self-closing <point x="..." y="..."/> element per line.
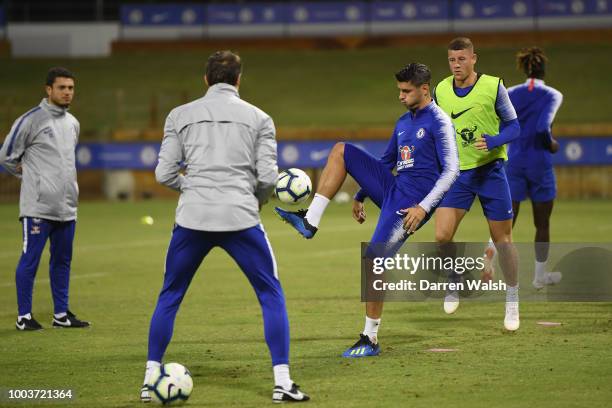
<point x="550" y="324"/>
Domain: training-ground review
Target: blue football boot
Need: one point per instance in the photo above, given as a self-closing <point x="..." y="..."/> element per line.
<point x="297" y="220"/>
<point x="363" y="348"/>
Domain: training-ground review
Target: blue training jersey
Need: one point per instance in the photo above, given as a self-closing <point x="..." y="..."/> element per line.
<point x="536" y="105"/>
<point x="423" y="151"/>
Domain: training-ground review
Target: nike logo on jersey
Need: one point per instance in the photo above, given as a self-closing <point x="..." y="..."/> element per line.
<point x="456" y="115"/>
<point x="400" y="133"/>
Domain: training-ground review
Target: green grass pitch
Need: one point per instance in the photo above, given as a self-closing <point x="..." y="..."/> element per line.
<point x="117" y="273"/>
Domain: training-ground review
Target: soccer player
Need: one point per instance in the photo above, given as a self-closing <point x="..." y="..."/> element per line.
<point x="485" y="121"/>
<point x="529" y="167"/>
<point x="422" y="150"/>
<point x="39" y="150"/>
<point x="228" y="148"/>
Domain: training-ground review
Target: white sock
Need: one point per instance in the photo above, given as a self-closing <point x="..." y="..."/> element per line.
<point x="540" y="270"/>
<point x="149" y="369"/>
<point x="512" y="293"/>
<point x="371" y="329"/>
<point x="316" y="210"/>
<point x="25" y="316"/>
<point x="59" y="315"/>
<point x="281" y="376"/>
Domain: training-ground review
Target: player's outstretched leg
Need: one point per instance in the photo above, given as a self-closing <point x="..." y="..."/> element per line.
<point x="252" y="251"/>
<point x="306" y="222"/>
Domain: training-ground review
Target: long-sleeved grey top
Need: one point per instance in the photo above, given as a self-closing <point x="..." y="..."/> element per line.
<point x="42" y="143"/>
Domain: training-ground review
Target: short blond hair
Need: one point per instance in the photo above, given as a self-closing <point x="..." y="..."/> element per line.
<point x="461" y="43"/>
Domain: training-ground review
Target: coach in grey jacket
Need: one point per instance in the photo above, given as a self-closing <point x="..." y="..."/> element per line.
<point x="228" y="150"/>
<point x="39" y="150"/>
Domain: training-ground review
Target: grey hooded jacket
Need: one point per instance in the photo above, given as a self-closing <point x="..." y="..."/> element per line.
<point x="228" y="149"/>
<point x="42" y="141"/>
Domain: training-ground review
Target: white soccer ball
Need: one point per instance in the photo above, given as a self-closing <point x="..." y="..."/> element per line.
<point x="293" y="186"/>
<point x="171" y="383"/>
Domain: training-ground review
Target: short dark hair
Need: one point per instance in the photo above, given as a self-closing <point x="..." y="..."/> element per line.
<point x="532" y="62"/>
<point x="57" y="72"/>
<point x="461" y="43"/>
<point x="417" y="74"/>
<point x="223" y="67"/>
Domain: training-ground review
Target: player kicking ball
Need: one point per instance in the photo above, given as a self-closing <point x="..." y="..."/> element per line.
<point x="422" y="150"/>
<point x="485" y="121"/>
<point x="529" y="168"/>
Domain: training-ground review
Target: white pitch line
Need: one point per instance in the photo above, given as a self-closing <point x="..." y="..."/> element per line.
<point x="83" y="276"/>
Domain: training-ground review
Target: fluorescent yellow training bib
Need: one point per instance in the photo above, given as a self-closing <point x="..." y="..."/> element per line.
<point x="472" y="115"/>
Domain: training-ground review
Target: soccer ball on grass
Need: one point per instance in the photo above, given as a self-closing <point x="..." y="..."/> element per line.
<point x="171" y="383"/>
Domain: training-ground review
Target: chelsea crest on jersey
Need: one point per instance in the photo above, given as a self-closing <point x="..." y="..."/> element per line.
<point x="406" y="152"/>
